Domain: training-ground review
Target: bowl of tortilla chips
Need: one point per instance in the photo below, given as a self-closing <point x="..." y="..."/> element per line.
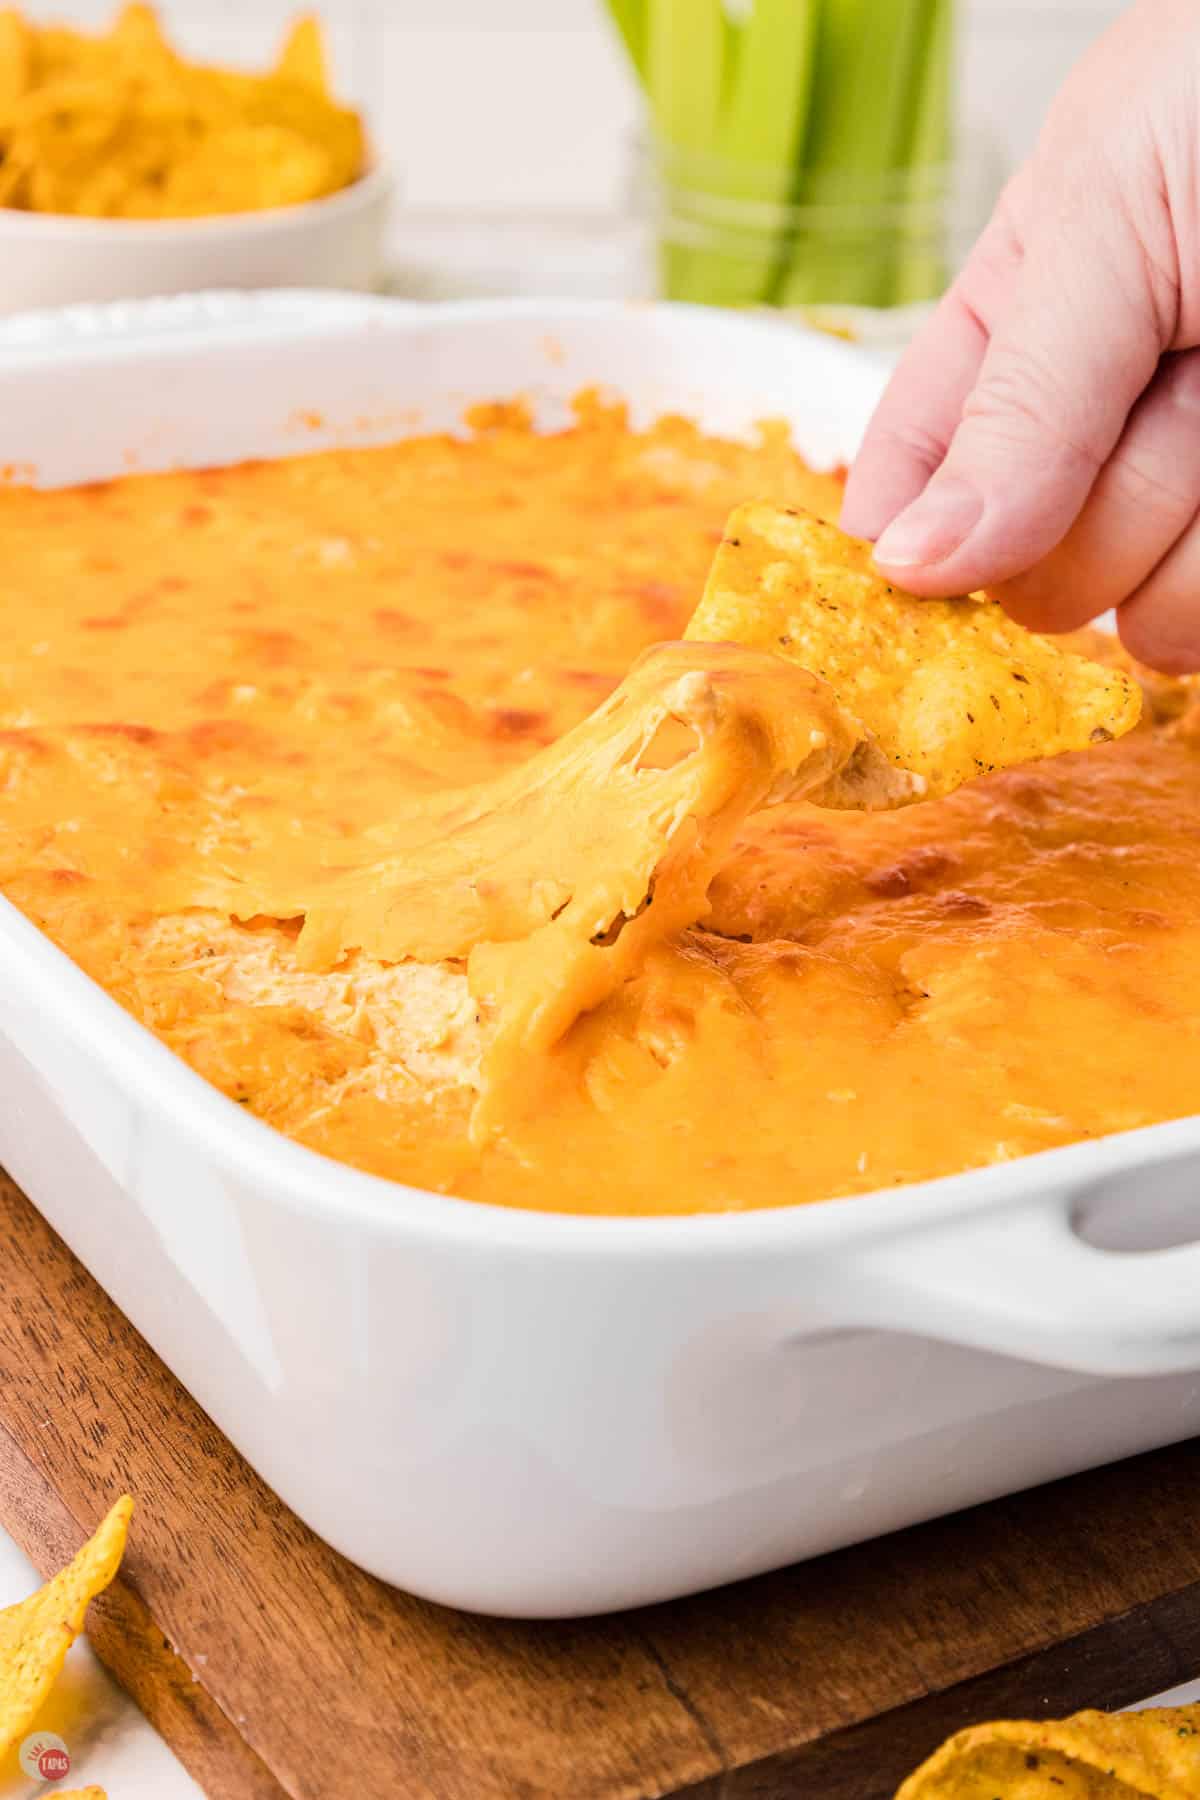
<point x="127" y="171"/>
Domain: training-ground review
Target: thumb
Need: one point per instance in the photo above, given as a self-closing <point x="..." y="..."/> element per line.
<point x="1077" y="345"/>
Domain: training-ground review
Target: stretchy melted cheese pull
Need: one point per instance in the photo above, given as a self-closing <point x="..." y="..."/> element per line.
<point x="555" y="880"/>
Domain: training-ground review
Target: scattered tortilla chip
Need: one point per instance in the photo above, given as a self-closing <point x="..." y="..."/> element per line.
<point x="1151" y="1755"/>
<point x="36" y="1634"/>
<point x="120" y="125"/>
<point x="555" y="880"/>
<point x="952" y="689"/>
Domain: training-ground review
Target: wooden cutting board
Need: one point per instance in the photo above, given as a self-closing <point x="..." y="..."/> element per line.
<point x="275" y="1668"/>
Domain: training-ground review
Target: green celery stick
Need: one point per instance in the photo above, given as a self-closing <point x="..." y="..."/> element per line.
<point x="858" y="138"/>
<point x="764" y="121"/>
<point x="921" y="271"/>
<point x="769" y="123"/>
<point x="629" y="17"/>
<point x="839" y="105"/>
<point x="686" y="49"/>
<point x="685" y="55"/>
<point x="864" y="55"/>
<point x="767" y="77"/>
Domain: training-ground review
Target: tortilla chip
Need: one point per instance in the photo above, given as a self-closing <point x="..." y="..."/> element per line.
<point x="1151" y="1755"/>
<point x="248" y="167"/>
<point x="297" y="107"/>
<point x="137" y="41"/>
<point x="12" y="184"/>
<point x="119" y="125"/>
<point x="952" y="689"/>
<point x="302" y="56"/>
<point x="36" y="1634"/>
<point x="16" y="61"/>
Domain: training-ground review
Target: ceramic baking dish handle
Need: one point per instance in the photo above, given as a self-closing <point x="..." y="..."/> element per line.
<point x="1025" y="1284"/>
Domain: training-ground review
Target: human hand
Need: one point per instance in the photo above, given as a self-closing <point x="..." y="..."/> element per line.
<point x="1041" y="437"/>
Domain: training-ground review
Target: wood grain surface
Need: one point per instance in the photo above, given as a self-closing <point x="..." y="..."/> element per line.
<point x="274" y="1667"/>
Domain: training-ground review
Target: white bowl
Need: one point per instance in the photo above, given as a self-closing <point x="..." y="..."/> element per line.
<point x="49" y="259"/>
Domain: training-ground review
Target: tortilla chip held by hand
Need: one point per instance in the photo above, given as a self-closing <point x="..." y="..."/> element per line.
<point x="951" y="689"/>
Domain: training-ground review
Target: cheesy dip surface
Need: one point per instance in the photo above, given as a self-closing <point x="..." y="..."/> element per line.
<point x="221" y="690"/>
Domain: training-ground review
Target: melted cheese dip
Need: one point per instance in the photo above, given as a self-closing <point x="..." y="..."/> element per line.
<point x="207" y="673"/>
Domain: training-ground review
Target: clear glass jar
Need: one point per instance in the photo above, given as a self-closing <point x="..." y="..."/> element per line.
<point x="856" y="251"/>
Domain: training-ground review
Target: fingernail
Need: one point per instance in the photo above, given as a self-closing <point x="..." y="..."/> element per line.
<point x="932" y="528"/>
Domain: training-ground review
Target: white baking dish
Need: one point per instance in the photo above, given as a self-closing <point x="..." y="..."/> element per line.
<point x="528" y="1413"/>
